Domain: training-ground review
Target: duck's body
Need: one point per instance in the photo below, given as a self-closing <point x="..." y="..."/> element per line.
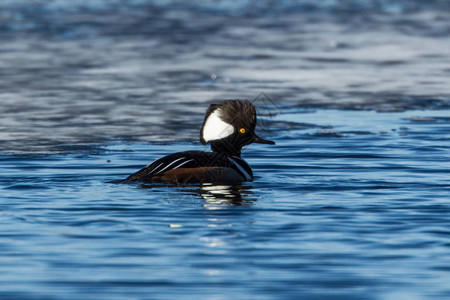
<point x="195" y="167"/>
<point x="227" y="127"/>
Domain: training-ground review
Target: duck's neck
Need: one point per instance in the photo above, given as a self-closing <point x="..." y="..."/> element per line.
<point x="225" y="148"/>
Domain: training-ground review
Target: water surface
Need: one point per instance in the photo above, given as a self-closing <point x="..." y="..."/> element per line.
<point x="352" y="202"/>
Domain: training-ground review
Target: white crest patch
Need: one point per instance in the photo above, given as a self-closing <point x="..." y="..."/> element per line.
<point x="215" y="128"/>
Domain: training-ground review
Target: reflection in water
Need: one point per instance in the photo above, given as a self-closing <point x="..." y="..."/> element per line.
<point x="217" y="195"/>
<point x="208" y="195"/>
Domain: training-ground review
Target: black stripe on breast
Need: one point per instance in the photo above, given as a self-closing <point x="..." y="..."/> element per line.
<point x="241" y="166"/>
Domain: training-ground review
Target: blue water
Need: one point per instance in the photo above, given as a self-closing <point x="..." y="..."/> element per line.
<point x="342" y="213"/>
<point x="351" y="203"/>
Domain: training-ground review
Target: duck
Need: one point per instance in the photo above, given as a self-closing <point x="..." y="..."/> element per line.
<point x="227" y="128"/>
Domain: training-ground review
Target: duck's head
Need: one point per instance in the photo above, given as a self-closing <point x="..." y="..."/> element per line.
<point x="229" y="126"/>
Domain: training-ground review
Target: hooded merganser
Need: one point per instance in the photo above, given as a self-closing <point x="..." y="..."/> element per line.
<point x="228" y="127"/>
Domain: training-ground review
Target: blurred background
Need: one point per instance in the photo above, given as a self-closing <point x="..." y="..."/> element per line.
<point x="351" y="203"/>
<point x="92" y="71"/>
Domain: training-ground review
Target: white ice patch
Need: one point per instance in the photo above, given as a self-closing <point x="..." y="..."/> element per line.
<point x="215" y="128"/>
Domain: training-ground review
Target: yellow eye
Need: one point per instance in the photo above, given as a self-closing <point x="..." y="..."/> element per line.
<point x="242" y="130"/>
